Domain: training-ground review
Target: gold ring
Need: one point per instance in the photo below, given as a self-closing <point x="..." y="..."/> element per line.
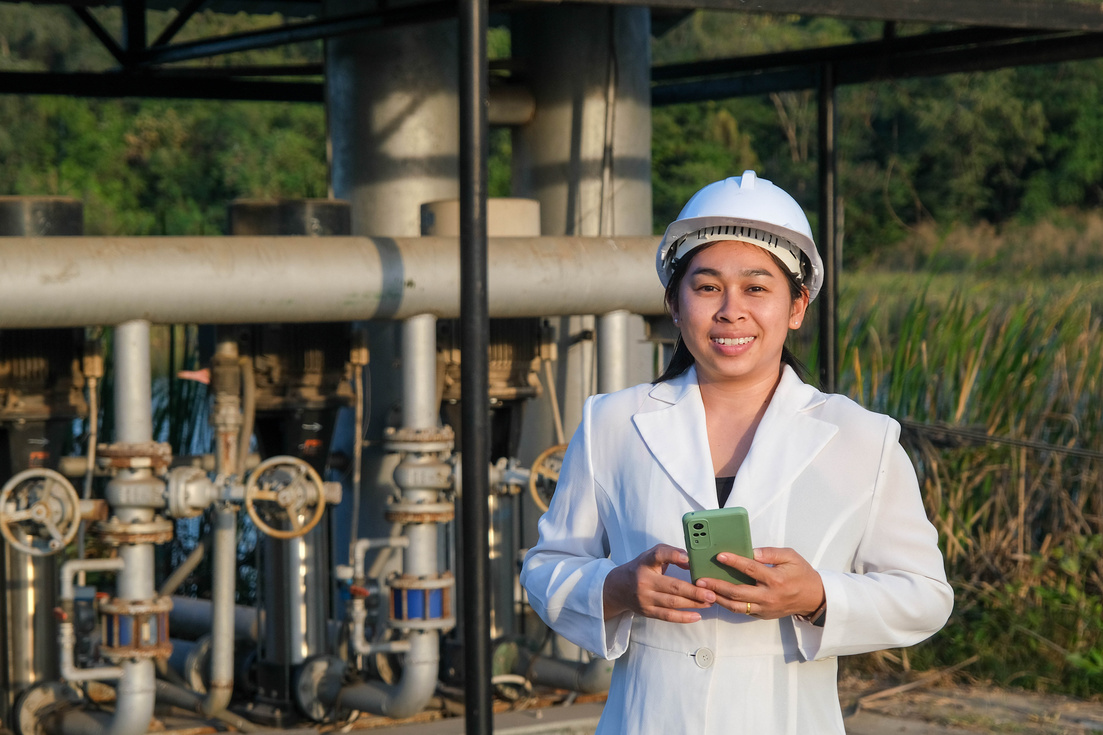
<point x="748" y="608"/>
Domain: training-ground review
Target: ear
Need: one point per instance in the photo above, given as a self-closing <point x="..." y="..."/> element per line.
<point x="798" y="309"/>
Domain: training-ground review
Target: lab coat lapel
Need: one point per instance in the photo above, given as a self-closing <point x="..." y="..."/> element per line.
<point x="787" y="440"/>
<point x="672" y="426"/>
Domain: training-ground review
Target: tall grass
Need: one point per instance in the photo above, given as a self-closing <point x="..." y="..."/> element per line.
<point x="1020" y="522"/>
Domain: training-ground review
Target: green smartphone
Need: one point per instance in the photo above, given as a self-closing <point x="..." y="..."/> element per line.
<point x="708" y="532"/>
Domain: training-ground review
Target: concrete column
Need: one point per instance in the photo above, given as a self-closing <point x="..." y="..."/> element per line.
<point x="586" y="156"/>
<point x="393" y="113"/>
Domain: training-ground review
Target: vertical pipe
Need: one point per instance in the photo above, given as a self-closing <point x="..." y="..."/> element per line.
<point x="612" y="345"/>
<point x="420" y="408"/>
<point x="135" y="691"/>
<point x="224" y="573"/>
<point x="475" y="422"/>
<point x="829" y="294"/>
<point x="133" y="401"/>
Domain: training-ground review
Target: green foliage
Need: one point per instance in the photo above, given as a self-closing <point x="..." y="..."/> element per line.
<point x="1021" y="526"/>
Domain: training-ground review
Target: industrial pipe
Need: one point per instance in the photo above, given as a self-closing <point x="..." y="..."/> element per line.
<point x="191" y="618"/>
<point x="612" y="352"/>
<point x="224" y="557"/>
<point x="575" y="676"/>
<point x="405" y="699"/>
<point x="75" y="281"/>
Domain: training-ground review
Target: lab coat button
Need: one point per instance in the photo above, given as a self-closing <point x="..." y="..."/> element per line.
<point x="704" y="657"/>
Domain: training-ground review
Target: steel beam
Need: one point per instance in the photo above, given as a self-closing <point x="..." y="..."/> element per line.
<point x="1058" y="16"/>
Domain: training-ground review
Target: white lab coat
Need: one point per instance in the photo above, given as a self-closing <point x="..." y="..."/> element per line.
<point x="823" y="476"/>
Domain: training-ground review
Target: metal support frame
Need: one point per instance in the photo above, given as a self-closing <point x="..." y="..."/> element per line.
<point x="474" y="376"/>
<point x="828" y="232"/>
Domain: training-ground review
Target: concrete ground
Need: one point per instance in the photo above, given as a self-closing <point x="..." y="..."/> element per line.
<point x="943" y="710"/>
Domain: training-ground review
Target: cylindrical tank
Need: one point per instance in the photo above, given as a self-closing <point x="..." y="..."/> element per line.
<point x="299" y="371"/>
<point x="40" y="395"/>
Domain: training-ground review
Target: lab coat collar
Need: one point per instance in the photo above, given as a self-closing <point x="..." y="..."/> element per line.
<point x="788" y="438"/>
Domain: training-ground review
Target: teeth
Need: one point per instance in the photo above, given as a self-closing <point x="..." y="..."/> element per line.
<point x="736" y="341"/>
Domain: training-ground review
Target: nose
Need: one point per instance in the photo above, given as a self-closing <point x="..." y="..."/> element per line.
<point x="731" y="307"/>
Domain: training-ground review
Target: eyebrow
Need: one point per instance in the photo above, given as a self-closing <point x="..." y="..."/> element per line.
<point x="745" y="273"/>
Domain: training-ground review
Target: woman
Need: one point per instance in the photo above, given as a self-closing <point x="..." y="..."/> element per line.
<point x="845" y="559"/>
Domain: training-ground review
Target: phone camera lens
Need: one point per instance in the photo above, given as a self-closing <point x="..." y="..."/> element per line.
<point x="698" y="526"/>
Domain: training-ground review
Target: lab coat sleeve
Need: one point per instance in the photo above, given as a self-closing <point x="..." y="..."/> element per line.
<point x="565" y="572"/>
<point x="896" y="593"/>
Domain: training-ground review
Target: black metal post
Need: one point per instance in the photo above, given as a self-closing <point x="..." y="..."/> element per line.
<point x="828" y="231"/>
<point x="134" y="29"/>
<point x="474" y="377"/>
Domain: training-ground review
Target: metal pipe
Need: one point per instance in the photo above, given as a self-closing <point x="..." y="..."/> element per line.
<point x="73" y="281"/>
<point x="474" y="373"/>
<point x="612" y="345"/>
<point x="133" y="399"/>
<point x="420" y="407"/>
<point x="419" y="681"/>
<point x="576" y="676"/>
<point x="224" y="557"/>
<point x="191" y="619"/>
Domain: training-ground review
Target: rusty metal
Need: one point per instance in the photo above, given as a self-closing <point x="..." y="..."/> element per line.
<point x="402" y="586"/>
<point x="146" y="455"/>
<point x="408" y="513"/>
<point x="425" y="441"/>
<point x="145" y="623"/>
<point x="114" y="532"/>
<point x="411" y="517"/>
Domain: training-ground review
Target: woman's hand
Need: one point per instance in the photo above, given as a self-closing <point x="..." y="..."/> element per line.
<point x="641" y="587"/>
<point x="787" y="584"/>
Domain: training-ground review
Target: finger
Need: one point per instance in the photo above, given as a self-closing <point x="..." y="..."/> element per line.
<point x="676" y="602"/>
<point x="750" y="567"/>
<point x="665" y="554"/>
<point x="775" y="555"/>
<point x="687" y="591"/>
<point x="673" y="616"/>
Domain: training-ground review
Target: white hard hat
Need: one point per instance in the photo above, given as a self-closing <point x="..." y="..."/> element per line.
<point x="748" y="209"/>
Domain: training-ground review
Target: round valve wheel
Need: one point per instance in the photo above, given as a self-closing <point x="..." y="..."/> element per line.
<point x="545" y="473"/>
<point x="285" y="491"/>
<point x="39" y="512"/>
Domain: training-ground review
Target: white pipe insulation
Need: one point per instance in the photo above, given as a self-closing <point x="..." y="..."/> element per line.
<point x="85" y="281"/>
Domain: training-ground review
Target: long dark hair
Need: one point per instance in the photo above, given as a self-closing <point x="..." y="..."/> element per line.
<point x="682" y="358"/>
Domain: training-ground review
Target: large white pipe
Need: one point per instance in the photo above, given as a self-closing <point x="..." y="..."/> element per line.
<point x="82" y="281"/>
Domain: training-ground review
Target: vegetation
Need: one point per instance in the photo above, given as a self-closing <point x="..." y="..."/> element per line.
<point x="986" y="182"/>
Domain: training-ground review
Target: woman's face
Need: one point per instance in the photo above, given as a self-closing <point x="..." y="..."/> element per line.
<point x="734" y="309"/>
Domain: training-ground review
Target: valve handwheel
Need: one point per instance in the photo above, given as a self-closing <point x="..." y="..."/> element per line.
<point x="545" y="473"/>
<point x="285" y="489"/>
<point x="39" y="512"/>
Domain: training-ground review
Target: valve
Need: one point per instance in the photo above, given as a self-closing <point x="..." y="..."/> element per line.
<point x="287" y="489"/>
<point x="40" y="512"/>
<point x="545" y="474"/>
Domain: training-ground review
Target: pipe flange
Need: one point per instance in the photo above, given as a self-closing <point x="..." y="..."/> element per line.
<point x="441" y="581"/>
<point x="161" y="651"/>
<point x="413" y="513"/>
<point x="114" y="532"/>
<point x="115" y="606"/>
<point x="135" y="456"/>
<point x="426" y="441"/>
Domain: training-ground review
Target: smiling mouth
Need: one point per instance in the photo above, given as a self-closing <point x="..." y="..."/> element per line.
<point x="729" y="342"/>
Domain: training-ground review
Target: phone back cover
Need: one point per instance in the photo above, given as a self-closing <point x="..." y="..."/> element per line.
<point x="707" y="533"/>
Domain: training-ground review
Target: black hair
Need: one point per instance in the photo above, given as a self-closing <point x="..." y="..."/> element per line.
<point x="682" y="358"/>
